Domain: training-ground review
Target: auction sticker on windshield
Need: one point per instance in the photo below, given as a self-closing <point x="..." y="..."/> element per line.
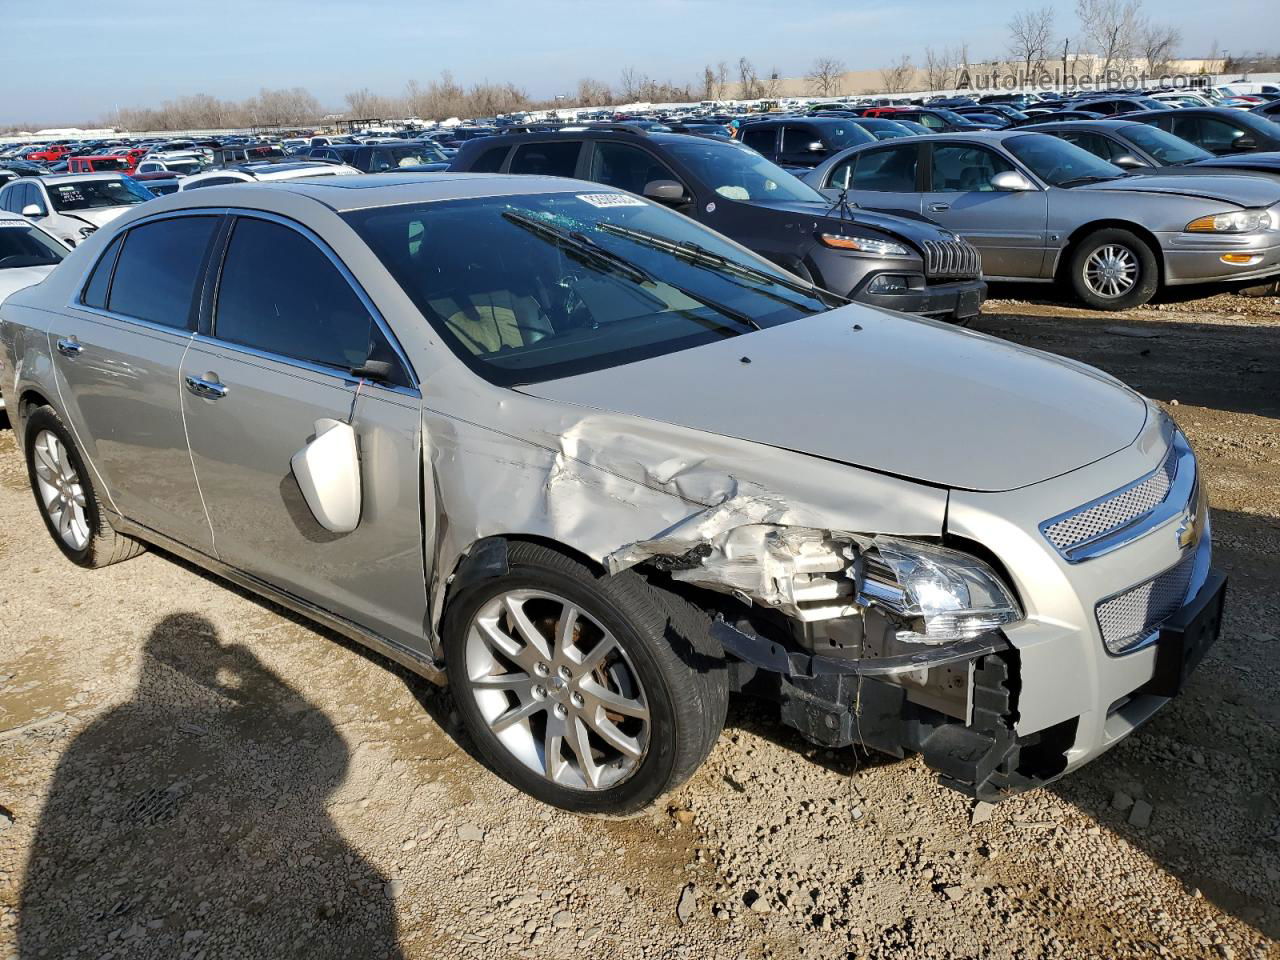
<point x="610" y="200"/>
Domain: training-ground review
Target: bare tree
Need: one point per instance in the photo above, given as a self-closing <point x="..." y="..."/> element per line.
<point x="593" y="93"/>
<point x="898" y="75"/>
<point x="1030" y="34"/>
<point x="722" y="81"/>
<point x="939" y="66"/>
<point x="1110" y="29"/>
<point x="629" y="85"/>
<point x="1156" y="45"/>
<point x="749" y="86"/>
<point x="825" y="76"/>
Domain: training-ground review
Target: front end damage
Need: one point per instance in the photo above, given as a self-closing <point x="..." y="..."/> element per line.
<point x="859" y="640"/>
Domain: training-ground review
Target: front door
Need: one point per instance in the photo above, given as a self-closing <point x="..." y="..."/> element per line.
<point x="117" y="353"/>
<point x="287" y="328"/>
<point x="1008" y="228"/>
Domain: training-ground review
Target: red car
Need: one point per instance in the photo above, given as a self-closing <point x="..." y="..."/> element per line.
<point x="50" y="154"/>
<point x="105" y="163"/>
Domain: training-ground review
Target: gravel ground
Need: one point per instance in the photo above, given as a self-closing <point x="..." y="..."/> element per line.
<point x="188" y="772"/>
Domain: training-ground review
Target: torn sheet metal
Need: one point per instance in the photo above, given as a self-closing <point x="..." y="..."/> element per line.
<point x="621" y="489"/>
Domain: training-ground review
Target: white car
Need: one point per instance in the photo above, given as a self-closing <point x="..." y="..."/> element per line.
<point x="27" y="255"/>
<point x="72" y="206"/>
<point x="1182" y="98"/>
<point x="250" y="172"/>
<point x="184" y="165"/>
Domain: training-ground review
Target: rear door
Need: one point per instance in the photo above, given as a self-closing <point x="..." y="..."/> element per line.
<point x="117" y="351"/>
<point x="283" y="331"/>
<point x="801" y="145"/>
<point x="1008" y="228"/>
<point x="762" y="138"/>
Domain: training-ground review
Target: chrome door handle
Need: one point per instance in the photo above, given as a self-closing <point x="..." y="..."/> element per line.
<point x="69" y="347"/>
<point x="939" y="207"/>
<point x="206" y="389"/>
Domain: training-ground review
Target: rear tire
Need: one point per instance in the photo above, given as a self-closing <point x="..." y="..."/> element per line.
<point x="1113" y="269"/>
<point x="645" y="716"/>
<point x="66" y="496"/>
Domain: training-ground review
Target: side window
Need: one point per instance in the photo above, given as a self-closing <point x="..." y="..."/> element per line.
<point x="626" y="167"/>
<point x="95" y="291"/>
<point x="490" y="160"/>
<point x="9" y="198"/>
<point x="796" y="139"/>
<point x="960" y="168"/>
<point x="761" y="139"/>
<point x="1218" y="135"/>
<point x="32" y="194"/>
<point x="1098" y="146"/>
<point x="211" y="182"/>
<point x="281" y="294"/>
<point x="158" y="268"/>
<point x="930" y="121"/>
<point x="842" y="173"/>
<point x="554" y="159"/>
<point x="891" y="170"/>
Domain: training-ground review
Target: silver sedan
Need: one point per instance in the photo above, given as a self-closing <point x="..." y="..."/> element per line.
<point x="1041" y="210"/>
<point x="599" y="467"/>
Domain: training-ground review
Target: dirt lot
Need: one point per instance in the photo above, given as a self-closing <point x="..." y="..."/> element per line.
<point x="186" y="771"/>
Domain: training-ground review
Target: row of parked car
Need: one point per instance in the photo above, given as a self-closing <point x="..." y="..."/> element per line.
<point x="875" y="203"/>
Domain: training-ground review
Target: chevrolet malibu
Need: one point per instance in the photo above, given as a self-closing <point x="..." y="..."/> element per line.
<point x="598" y="468"/>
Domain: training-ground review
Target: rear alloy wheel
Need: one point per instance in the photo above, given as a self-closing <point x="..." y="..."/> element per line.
<point x="66" y="497"/>
<point x="594" y="693"/>
<point x="1113" y="269"/>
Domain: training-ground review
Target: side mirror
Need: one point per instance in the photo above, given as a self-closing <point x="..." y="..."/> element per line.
<point x="379" y="370"/>
<point x="1246" y="143"/>
<point x="1011" y="181"/>
<point x="665" y="191"/>
<point x="328" y="473"/>
<point x="32" y="210"/>
<point x="817" y="146"/>
<point x="1128" y="162"/>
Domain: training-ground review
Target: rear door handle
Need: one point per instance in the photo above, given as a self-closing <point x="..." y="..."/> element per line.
<point x="206" y="389"/>
<point x="939" y="207"/>
<point x="69" y="347"/>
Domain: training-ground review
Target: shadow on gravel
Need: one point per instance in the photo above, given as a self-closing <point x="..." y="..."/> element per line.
<point x="192" y="821"/>
<point x="1223" y="366"/>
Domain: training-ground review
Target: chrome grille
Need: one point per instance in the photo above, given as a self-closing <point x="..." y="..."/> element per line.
<point x="951" y="258"/>
<point x="1114" y="510"/>
<point x="1129" y="618"/>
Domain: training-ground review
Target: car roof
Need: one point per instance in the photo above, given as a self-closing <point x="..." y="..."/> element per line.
<point x="1107" y="124"/>
<point x="363" y="191"/>
<point x="78" y="177"/>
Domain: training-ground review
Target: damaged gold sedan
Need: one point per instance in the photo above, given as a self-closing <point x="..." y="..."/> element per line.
<point x="601" y="468"/>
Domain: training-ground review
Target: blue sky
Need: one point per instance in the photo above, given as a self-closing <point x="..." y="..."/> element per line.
<point x="69" y="62"/>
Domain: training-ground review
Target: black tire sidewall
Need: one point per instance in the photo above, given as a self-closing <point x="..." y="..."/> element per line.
<point x="655" y="771"/>
<point x="1148" y="269"/>
<point x="45" y="419"/>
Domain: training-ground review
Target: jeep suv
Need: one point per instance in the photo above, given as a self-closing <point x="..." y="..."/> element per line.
<point x="902" y="263"/>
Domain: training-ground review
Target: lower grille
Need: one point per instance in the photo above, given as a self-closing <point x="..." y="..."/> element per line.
<point x="951" y="258"/>
<point x="1129" y="618"/>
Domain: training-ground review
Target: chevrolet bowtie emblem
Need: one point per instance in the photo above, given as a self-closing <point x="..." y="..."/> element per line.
<point x="1188" y="532"/>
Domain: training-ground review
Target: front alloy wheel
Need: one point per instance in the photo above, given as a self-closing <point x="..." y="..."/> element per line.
<point x="1113" y="269"/>
<point x="557" y="690"/>
<point x="592" y="692"/>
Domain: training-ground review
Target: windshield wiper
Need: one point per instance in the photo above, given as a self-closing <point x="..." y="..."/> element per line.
<point x="589" y="250"/>
<point x="1093" y="178"/>
<point x="700" y="255"/>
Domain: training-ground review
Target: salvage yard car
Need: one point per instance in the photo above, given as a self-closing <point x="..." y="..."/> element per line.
<point x="599" y="467"/>
<point x="1040" y="209"/>
<point x="72" y="206"/>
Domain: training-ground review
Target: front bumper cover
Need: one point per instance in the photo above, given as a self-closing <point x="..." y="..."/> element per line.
<point x="957" y="298"/>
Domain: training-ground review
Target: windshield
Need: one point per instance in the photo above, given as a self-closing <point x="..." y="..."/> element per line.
<point x="532" y="288"/>
<point x="885" y="129"/>
<point x="952" y="117"/>
<point x="1165" y="147"/>
<point x="737" y="172"/>
<point x="1059" y="163"/>
<point x="22" y="245"/>
<point x="389" y="158"/>
<point x="845" y="135"/>
<point x="93" y="194"/>
<point x="184" y="167"/>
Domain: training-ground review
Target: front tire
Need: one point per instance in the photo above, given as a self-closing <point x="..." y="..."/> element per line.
<point x="1114" y="269"/>
<point x="66" y="496"/>
<point x="593" y="693"/>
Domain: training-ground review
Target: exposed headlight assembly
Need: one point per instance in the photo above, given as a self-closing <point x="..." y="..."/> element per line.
<point x="936" y="595"/>
<point x="1237" y="221"/>
<point x="877" y="248"/>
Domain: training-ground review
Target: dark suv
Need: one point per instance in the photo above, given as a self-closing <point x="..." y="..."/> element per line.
<point x="802" y="141"/>
<point x="413" y="156"/>
<point x="882" y="259"/>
